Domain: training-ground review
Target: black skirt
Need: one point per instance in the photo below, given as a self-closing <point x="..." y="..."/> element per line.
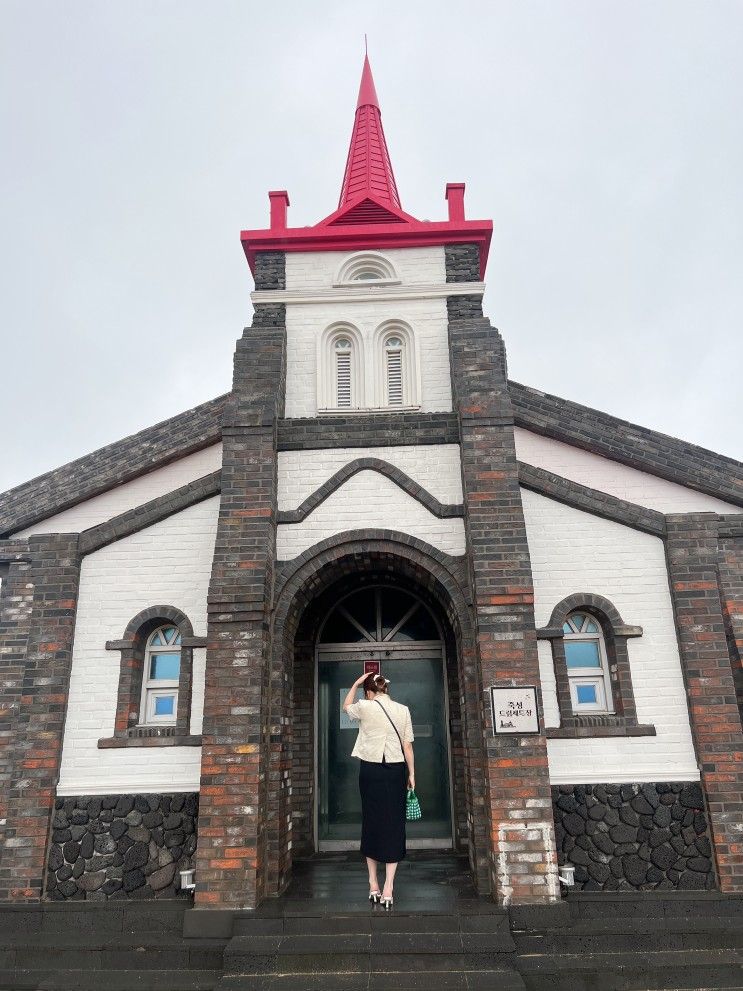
<point x="383" y="792"/>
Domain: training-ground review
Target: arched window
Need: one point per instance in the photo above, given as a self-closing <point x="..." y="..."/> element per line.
<point x="339" y="366"/>
<point x="155" y="675"/>
<point x="394" y="358"/>
<point x="367" y="267"/>
<point x="396" y="372"/>
<point x="343" y="355"/>
<point x="160" y="677"/>
<point x="586" y="661"/>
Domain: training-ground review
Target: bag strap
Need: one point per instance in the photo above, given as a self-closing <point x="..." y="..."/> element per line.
<point x="393" y="725"/>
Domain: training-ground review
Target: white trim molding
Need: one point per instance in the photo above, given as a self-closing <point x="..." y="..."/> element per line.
<point x="368" y="292"/>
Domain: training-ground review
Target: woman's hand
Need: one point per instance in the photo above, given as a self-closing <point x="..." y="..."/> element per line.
<point x="360" y="679"/>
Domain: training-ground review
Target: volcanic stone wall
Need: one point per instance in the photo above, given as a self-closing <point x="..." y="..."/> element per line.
<point x="634" y="836"/>
<point x="121" y="846"/>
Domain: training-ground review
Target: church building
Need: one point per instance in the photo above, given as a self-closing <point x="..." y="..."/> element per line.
<point x="555" y="593"/>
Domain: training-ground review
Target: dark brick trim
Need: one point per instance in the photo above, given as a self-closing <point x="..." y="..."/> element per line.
<point x="462" y="263"/>
<point x="692" y="552"/>
<point x="38" y="604"/>
<point x="405" y="482"/>
<point x="367" y="430"/>
<point x="616" y="633"/>
<point x="591" y="732"/>
<point x="129" y="695"/>
<point x="149" y="513"/>
<point x="200" y="427"/>
<point x="592" y="501"/>
<point x="647" y="450"/>
<point x="112" y="465"/>
<point x="117" y="742"/>
<point x="285" y="570"/>
<point x="14" y="551"/>
<point x="731" y="525"/>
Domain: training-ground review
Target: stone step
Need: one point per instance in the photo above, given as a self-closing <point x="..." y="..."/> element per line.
<point x="110" y="980"/>
<point x="643" y="935"/>
<point x="497" y="979"/>
<point x="368" y="923"/>
<point x="98" y="953"/>
<point x="361" y="952"/>
<point x="665" y="970"/>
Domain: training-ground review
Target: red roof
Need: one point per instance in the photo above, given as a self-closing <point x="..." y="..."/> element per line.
<point x="368" y="174"/>
<point x="369" y="213"/>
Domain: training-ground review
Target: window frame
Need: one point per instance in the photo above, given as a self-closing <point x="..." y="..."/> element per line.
<point x="153" y="688"/>
<point x="599" y="677"/>
<point x="132" y="650"/>
<point x="616" y="634"/>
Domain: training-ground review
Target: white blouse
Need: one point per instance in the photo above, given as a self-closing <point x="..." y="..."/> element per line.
<point x="376" y="736"/>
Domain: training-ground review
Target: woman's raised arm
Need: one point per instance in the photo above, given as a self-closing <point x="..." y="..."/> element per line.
<point x="351" y="696"/>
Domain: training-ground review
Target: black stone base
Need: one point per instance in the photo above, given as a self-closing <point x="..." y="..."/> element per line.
<point x="634" y="836"/>
<point x="120" y="846"/>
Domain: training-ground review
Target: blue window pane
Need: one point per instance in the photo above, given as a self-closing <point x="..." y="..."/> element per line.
<point x="582" y="654"/>
<point x="579" y="619"/>
<point x="586" y="694"/>
<point x="567" y="628"/>
<point x="165" y="705"/>
<point x="165" y="666"/>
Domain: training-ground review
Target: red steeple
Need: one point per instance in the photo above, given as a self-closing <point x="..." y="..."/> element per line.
<point x="369" y="182"/>
<point x="369" y="216"/>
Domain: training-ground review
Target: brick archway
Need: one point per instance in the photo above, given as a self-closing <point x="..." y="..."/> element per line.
<point x="306" y="588"/>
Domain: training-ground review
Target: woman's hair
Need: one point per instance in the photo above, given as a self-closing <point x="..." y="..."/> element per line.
<point x="375" y="683"/>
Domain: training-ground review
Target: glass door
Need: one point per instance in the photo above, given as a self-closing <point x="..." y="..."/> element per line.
<point x="416" y="680"/>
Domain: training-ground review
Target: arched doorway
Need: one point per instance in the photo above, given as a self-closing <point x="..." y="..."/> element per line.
<point x="394" y="628"/>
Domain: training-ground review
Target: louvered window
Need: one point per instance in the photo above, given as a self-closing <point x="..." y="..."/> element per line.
<point x="394" y="356"/>
<point x="343" y="358"/>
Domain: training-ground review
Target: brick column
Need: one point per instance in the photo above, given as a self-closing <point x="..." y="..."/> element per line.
<point x="231" y="852"/>
<point x="522" y="858"/>
<point x="692" y="551"/>
<point x="731" y="588"/>
<point x="37" y="625"/>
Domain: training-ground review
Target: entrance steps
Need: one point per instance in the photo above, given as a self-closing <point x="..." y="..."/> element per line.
<point x="615" y="942"/>
<point x="104" y="946"/>
<point x="373" y="951"/>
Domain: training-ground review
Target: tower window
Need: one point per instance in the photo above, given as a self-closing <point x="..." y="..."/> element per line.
<point x="343" y="356"/>
<point x="394" y="371"/>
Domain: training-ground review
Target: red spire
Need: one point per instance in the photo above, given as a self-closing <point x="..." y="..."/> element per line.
<point x="369" y="172"/>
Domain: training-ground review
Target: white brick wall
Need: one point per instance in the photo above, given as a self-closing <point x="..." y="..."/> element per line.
<point x="104" y="507"/>
<point x="370" y="500"/>
<point x="613" y="478"/>
<point x="306" y="322"/>
<point x="572" y="551"/>
<point x="436" y="467"/>
<point x="319" y="269"/>
<point x="168" y="563"/>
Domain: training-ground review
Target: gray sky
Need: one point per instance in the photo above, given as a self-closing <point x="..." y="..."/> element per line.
<point x="603" y="138"/>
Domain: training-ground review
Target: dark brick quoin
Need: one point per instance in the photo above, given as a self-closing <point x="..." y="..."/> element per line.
<point x="37" y="633"/>
<point x="523" y="866"/>
<point x="731" y="587"/>
<point x="112" y="847"/>
<point x="634" y="837"/>
<point x="692" y="552"/>
<point x="231" y="856"/>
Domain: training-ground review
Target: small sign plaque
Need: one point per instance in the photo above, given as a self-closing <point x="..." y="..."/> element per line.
<point x="515" y="709"/>
<point x="371" y="667"/>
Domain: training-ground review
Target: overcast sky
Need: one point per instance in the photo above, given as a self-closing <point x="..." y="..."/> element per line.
<point x="604" y="139"/>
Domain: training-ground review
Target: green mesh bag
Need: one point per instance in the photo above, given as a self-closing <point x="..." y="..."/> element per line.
<point x="412" y="806"/>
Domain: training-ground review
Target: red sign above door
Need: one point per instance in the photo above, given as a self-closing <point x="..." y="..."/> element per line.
<point x="371" y="667"/>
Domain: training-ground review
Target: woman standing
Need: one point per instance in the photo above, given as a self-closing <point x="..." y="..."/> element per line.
<point x="385" y="748"/>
